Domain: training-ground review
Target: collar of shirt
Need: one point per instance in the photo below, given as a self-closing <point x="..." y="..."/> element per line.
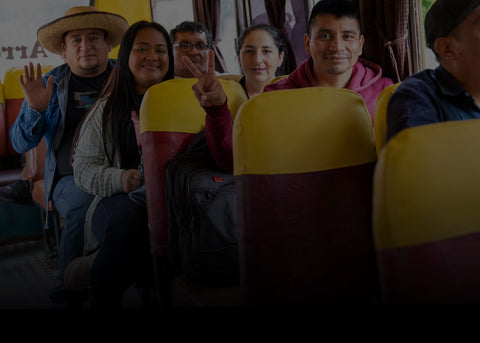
<point x="450" y="86"/>
<point x="447" y="83"/>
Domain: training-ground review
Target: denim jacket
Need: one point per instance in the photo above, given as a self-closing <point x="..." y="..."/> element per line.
<point x="31" y="126"/>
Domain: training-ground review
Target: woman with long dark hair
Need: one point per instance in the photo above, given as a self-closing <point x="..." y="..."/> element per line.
<point x="105" y="163"/>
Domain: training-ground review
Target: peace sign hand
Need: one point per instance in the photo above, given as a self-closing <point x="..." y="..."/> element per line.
<point x="207" y="90"/>
<point x="36" y="94"/>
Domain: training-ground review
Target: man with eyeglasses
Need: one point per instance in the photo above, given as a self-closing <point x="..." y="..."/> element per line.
<point x="191" y="39"/>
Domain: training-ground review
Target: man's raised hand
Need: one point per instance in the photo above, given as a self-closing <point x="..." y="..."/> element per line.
<point x="207" y="90"/>
<point x="36" y="94"/>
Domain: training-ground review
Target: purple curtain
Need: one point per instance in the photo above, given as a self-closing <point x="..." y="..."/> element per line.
<point x="385" y="25"/>
<point x="276" y="17"/>
<point x="207" y="12"/>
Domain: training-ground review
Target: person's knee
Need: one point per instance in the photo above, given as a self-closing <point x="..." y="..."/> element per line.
<point x="71" y="201"/>
<point x="119" y="218"/>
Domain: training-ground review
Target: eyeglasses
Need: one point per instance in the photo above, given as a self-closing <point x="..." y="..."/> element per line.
<point x="201" y="47"/>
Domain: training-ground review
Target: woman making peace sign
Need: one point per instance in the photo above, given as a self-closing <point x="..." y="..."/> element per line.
<point x="260" y="52"/>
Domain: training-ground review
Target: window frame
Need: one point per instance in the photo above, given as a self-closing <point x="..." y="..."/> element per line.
<point x="417" y="35"/>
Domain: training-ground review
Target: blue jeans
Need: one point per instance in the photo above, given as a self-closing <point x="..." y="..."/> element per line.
<point x="71" y="203"/>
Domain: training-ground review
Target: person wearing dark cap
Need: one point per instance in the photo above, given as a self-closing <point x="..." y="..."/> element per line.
<point x="53" y="108"/>
<point x="451" y="91"/>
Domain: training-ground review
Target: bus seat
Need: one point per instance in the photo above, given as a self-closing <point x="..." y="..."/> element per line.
<point x="7" y="176"/>
<point x="278" y="78"/>
<point x="426" y="220"/>
<point x="303" y="166"/>
<point x="13" y="94"/>
<point x="132" y="11"/>
<point x="380" y="116"/>
<point x="141" y="10"/>
<point x="238" y="77"/>
<point x="13" y="101"/>
<point x="34" y="168"/>
<point x="170" y="116"/>
<point x="33" y="171"/>
<point x="230" y="77"/>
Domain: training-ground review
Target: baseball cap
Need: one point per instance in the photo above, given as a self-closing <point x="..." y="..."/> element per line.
<point x="444" y="15"/>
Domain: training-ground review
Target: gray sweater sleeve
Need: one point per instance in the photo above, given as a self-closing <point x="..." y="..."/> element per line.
<point x="91" y="169"/>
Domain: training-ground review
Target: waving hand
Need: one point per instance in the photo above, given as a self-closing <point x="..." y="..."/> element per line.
<point x="207" y="90"/>
<point x="36" y="94"/>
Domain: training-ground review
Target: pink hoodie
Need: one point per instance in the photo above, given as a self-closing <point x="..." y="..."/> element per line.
<point x="366" y="80"/>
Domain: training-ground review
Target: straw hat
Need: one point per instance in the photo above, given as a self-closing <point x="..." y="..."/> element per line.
<point x="81" y="17"/>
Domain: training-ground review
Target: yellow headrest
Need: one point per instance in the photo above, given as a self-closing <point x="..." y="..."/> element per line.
<point x="11" y="85"/>
<point x="230" y="77"/>
<point x="132" y="11"/>
<point x="380" y="116"/>
<point x="278" y="78"/>
<point x="2" y="99"/>
<point x="302" y="130"/>
<point x="171" y="106"/>
<point x="427" y="185"/>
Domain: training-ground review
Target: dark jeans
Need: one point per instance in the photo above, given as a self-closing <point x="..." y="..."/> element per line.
<point x="120" y="227"/>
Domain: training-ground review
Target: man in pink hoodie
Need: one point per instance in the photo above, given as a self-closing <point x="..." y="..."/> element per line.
<point x="334" y="44"/>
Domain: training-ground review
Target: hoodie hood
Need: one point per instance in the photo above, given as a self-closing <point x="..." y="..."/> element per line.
<point x="366" y="80"/>
<point x="364" y="75"/>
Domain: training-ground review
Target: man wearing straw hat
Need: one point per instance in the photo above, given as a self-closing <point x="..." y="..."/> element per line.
<point x="54" y="106"/>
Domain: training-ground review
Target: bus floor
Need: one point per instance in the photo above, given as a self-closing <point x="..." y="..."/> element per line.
<point x="27" y="276"/>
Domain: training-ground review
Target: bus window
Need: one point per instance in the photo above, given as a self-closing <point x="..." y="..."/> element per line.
<point x="228" y="36"/>
<point x="430" y="61"/>
<point x="19" y="22"/>
<point x="296" y="17"/>
<point x="170" y="13"/>
<point x="423" y="57"/>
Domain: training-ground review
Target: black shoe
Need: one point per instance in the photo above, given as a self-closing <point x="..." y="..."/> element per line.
<point x="17" y="193"/>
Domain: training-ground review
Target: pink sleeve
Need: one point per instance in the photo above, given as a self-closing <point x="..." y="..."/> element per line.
<point x="218" y="130"/>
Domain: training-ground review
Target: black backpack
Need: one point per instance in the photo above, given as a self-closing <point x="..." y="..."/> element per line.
<point x="202" y="218"/>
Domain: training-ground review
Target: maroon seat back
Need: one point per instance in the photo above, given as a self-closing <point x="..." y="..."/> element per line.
<point x="13" y="102"/>
<point x="304" y="162"/>
<point x="425" y="214"/>
<point x="170" y="116"/>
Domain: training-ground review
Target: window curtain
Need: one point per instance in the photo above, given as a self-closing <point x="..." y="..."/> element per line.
<point x="385" y="25"/>
<point x="276" y="17"/>
<point x="207" y="12"/>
